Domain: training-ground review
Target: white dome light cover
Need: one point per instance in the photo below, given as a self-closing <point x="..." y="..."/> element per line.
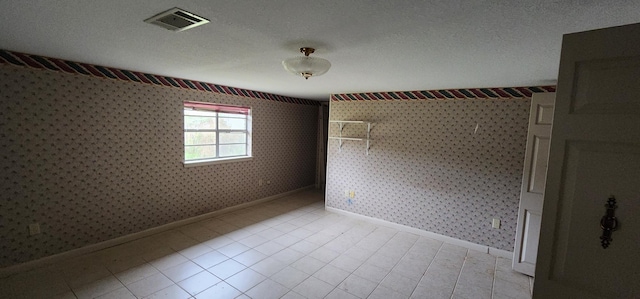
<point x="306" y="66"/>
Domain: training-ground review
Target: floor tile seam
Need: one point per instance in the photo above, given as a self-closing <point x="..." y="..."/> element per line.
<point x="325" y="243"/>
<point x="159" y="272"/>
<point x="284" y="233"/>
<point x="405" y="254"/>
<point x="175" y="283"/>
<point x="336" y="286"/>
<point x="390" y="270"/>
<point x="127" y="286"/>
<point x="459" y="274"/>
<point x="368" y="234"/>
<point x="219" y="282"/>
<point x="357" y="295"/>
<point x="203" y="270"/>
<point x="333" y="287"/>
<point x="195" y="257"/>
<point x="385" y="243"/>
<point x="172" y="281"/>
<point x="63" y="279"/>
<point x="414" y="245"/>
<point x="148" y="261"/>
<point x="493" y="284"/>
<point x="269" y="277"/>
<point x="365" y="261"/>
<point x="427" y="269"/>
<point x="76" y="295"/>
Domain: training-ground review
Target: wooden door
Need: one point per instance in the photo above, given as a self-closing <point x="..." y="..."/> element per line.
<point x="533" y="180"/>
<point x="594" y="155"/>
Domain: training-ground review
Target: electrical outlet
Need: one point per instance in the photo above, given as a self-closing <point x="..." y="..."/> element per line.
<point x="352" y="194"/>
<point x="347" y="193"/>
<point x="34" y="229"/>
<point x="495" y="223"/>
<point x="260" y="182"/>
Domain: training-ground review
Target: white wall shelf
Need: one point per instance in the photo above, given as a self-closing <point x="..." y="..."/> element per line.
<point x="343" y="123"/>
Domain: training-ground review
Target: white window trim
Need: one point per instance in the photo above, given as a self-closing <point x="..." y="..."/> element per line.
<point x="216" y="161"/>
<point x="223" y="160"/>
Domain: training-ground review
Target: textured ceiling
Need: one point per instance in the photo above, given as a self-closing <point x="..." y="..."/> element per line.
<point x="372" y="45"/>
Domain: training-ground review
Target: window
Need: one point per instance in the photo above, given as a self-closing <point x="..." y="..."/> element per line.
<point x="216" y="133"/>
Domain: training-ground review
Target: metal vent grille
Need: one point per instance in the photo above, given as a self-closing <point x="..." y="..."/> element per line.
<point x="177" y="19"/>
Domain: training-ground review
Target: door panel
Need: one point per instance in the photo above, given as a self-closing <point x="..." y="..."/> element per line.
<point x="538" y="172"/>
<point x="598" y="90"/>
<point x="594" y="154"/>
<point x="533" y="181"/>
<point x="531" y="237"/>
<point x="544" y="114"/>
<point x="592" y="175"/>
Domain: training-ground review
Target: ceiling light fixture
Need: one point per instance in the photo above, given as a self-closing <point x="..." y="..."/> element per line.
<point x="306" y="66"/>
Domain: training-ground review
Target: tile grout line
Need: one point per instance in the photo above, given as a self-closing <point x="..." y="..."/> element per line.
<point x="354" y="245"/>
<point x="405" y="254"/>
<point x="460" y="274"/>
<point x="105" y="264"/>
<point x="429" y="266"/>
<point x="328" y="263"/>
<point x="376" y="251"/>
<point x="285" y="247"/>
<point x="269" y="240"/>
<point x="173" y="282"/>
<point x="189" y="259"/>
<point x="352" y="272"/>
<point x="302" y="239"/>
<point x="286" y="233"/>
<point x="343" y="227"/>
<point x="159" y="272"/>
<point x="493" y="284"/>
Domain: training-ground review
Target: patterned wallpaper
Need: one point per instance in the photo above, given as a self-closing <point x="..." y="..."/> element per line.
<point x="72" y="67"/>
<point x="429" y="168"/>
<point x="91" y="159"/>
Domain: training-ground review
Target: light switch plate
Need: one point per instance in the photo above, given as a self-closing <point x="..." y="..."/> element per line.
<point x="495" y="223"/>
<point x="34" y="229"/>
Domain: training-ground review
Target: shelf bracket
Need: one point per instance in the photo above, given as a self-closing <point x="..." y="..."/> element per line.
<point x="368" y="135"/>
<point x="340" y="140"/>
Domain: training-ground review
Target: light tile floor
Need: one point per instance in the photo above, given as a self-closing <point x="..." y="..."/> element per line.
<point x="287" y="248"/>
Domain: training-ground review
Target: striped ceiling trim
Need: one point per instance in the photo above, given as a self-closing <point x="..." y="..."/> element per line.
<point x="441" y="94"/>
<point x="59" y="65"/>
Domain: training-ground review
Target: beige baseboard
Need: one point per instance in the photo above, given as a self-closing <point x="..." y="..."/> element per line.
<point x="7" y="271"/>
<point x="439" y="237"/>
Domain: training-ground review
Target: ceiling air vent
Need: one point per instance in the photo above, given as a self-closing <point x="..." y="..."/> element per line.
<point x="177" y="19"/>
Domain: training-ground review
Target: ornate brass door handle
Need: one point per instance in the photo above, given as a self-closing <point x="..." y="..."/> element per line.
<point x="608" y="222"/>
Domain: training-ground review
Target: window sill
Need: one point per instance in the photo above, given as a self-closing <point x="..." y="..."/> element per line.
<point x="215" y="161"/>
